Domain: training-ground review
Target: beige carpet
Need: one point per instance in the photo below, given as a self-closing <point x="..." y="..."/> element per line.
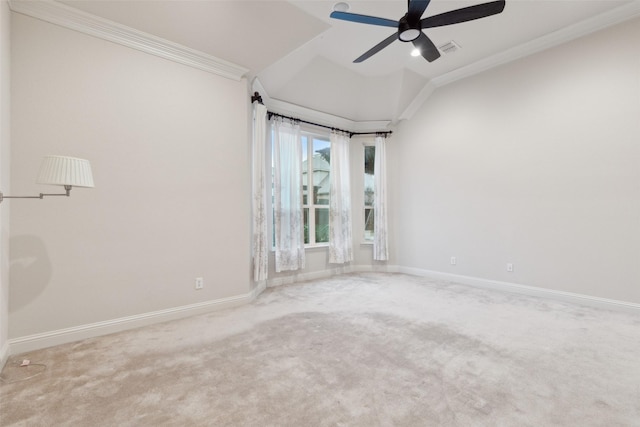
<point x="354" y="350"/>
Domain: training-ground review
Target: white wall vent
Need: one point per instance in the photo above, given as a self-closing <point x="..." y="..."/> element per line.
<point x="449" y="47"/>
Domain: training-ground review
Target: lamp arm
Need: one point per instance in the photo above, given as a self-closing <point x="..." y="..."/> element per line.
<point x="41" y="196"/>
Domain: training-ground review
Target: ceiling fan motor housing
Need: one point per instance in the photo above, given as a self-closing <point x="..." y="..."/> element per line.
<point x="408" y="31"/>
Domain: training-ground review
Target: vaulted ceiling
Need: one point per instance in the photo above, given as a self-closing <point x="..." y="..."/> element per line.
<point x="301" y="57"/>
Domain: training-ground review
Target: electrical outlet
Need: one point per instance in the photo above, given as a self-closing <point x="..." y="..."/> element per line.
<point x="510" y="267"/>
<point x="199" y="283"/>
<point x="453" y="260"/>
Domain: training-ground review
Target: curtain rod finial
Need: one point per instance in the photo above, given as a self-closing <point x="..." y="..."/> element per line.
<point x="256" y="97"/>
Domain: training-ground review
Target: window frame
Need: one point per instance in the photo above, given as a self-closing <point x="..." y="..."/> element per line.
<point x="311" y="207"/>
<point x="365" y="206"/>
<point x="310" y="134"/>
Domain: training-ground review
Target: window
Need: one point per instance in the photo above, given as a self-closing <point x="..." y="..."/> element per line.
<point x="315" y="188"/>
<point x="315" y="199"/>
<point x="369" y="190"/>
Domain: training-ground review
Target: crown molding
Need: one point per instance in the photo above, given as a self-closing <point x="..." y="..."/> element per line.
<point x="564" y="35"/>
<point x="74" y="19"/>
<point x="288" y="109"/>
<point x="615" y="16"/>
<point x="417" y="102"/>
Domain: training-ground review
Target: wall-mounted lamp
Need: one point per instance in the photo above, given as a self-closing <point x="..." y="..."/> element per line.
<point x="61" y="170"/>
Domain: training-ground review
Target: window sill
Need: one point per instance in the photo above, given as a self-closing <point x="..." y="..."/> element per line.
<point x="316" y="246"/>
<point x="367" y="243"/>
<point x="312" y="247"/>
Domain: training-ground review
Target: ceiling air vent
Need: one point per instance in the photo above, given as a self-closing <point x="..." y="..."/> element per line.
<point x="449" y="47"/>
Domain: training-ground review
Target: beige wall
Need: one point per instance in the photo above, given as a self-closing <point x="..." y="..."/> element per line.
<point x="5" y="135"/>
<point x="170" y="155"/>
<point x="535" y="163"/>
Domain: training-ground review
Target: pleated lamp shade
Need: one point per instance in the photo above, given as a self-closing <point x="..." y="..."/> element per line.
<point x="62" y="170"/>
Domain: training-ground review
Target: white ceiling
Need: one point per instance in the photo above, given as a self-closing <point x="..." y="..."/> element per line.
<point x="302" y="57"/>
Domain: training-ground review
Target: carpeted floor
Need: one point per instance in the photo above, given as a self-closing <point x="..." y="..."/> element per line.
<point x="354" y="350"/>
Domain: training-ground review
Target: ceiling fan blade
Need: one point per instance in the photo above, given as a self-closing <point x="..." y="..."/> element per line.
<point x="364" y="19"/>
<point x="416" y="9"/>
<point x="427" y="49"/>
<point x="463" y="15"/>
<point x="377" y="48"/>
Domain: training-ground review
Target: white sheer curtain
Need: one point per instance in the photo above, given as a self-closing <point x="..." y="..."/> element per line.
<point x="287" y="209"/>
<point x="340" y="240"/>
<point x="259" y="194"/>
<point x="380" y="247"/>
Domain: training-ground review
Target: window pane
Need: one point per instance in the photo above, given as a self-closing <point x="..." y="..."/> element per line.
<point x="273" y="231"/>
<point x="273" y="196"/>
<point x="369" y="160"/>
<point x="322" y="225"/>
<point x="321" y="168"/>
<point x="305" y="169"/>
<point x="305" y="212"/>
<point x="368" y="224"/>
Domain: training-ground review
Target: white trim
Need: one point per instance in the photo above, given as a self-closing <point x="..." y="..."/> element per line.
<point x="417" y="102"/>
<point x="615" y="16"/>
<point x="564" y="35"/>
<point x="76" y="333"/>
<point x="573" y="298"/>
<point x="260" y="287"/>
<point x="378" y="267"/>
<point x="293" y="277"/>
<point x="74" y="19"/>
<point x="326" y="119"/>
<point x="288" y="109"/>
<point x="570" y="297"/>
<point x="4" y="355"/>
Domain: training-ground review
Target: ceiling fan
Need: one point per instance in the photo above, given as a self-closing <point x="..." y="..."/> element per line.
<point x="410" y="26"/>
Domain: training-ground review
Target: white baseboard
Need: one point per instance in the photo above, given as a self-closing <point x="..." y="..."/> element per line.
<point x="4" y="355"/>
<point x="376" y="268"/>
<point x="63" y="336"/>
<point x="591" y="301"/>
<point x="294" y="277"/>
<point x="260" y="287"/>
<point x="76" y="333"/>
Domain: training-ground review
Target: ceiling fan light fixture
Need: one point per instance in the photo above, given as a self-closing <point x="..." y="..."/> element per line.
<point x="408" y="32"/>
<point x="409" y="35"/>
<point x="415" y="52"/>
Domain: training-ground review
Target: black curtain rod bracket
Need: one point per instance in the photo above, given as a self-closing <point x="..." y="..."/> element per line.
<point x="256" y="97"/>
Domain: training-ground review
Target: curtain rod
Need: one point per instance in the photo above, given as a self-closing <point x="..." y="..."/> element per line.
<point x="271" y="114"/>
<point x="256" y="97"/>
